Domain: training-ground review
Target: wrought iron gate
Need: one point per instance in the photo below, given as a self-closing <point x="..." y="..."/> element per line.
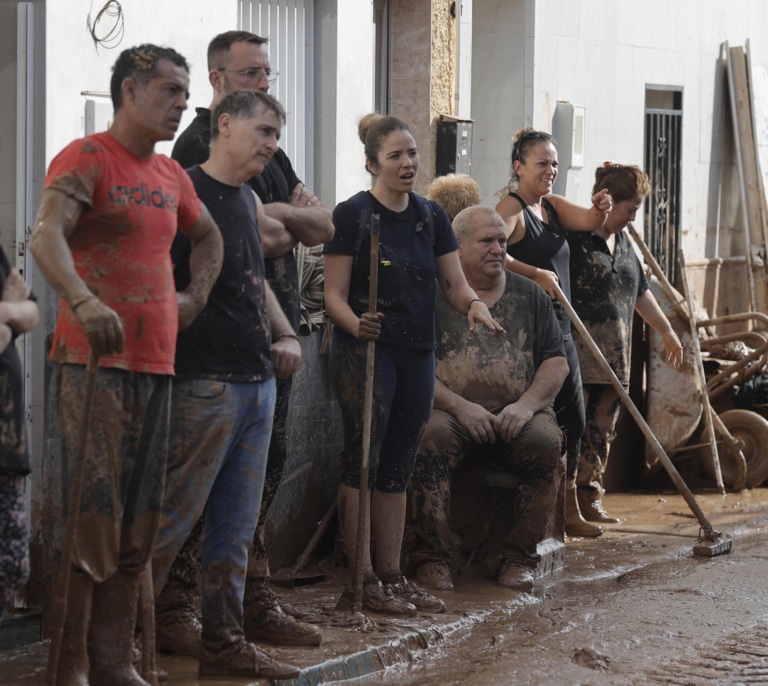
<point x="663" y="155"/>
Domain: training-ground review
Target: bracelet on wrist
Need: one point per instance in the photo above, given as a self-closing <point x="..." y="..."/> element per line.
<point x="80" y="301"/>
<point x="287" y="335"/>
<point x="474" y="300"/>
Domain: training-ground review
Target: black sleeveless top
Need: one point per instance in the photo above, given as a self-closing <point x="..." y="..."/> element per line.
<point x="544" y="246"/>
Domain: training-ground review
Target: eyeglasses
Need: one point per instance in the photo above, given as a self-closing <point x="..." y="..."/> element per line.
<point x="254" y="74"/>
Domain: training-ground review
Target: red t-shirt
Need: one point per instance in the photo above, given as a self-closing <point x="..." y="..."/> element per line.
<point x="121" y="247"/>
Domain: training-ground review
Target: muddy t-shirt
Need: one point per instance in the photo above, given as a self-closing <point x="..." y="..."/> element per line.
<point x="121" y="246"/>
<point x="604" y="291"/>
<point x="490" y="369"/>
<point x="544" y="246"/>
<point x="274" y="184"/>
<point x="230" y="339"/>
<point x="407" y="269"/>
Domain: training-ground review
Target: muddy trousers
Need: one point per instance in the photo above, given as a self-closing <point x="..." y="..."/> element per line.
<point x="184" y="575"/>
<point x="603" y="405"/>
<point x="14" y="548"/>
<point x="119" y="513"/>
<point x="217" y="461"/>
<point x="535" y="456"/>
<point x="569" y="408"/>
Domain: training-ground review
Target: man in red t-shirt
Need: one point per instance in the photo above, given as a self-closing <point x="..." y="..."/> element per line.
<point x="108" y="215"/>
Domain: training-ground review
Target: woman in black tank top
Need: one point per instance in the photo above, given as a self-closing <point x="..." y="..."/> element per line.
<point x="536" y="248"/>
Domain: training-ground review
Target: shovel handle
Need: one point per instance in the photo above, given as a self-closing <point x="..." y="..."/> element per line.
<point x="364" y="503"/>
<point x="682" y="487"/>
<point x="59" y="606"/>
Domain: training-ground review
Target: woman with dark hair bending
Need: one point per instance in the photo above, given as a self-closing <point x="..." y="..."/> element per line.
<point x="607" y="287"/>
<point x="537" y="248"/>
<point x="412" y="256"/>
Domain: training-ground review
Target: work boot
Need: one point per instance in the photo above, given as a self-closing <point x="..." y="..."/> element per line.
<point x="259" y="592"/>
<point x="73" y="659"/>
<point x="413" y="594"/>
<point x="274" y="626"/>
<point x="177" y="627"/>
<point x="593" y="510"/>
<point x="516" y="577"/>
<point x="575" y="524"/>
<point x="376" y="598"/>
<point x="244" y="659"/>
<point x="435" y="575"/>
<point x="110" y="638"/>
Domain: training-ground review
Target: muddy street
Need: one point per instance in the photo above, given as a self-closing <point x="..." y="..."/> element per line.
<point x="633" y="607"/>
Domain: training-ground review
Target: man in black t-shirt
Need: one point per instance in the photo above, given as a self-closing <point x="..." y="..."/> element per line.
<point x="238" y="60"/>
<point x="224" y="391"/>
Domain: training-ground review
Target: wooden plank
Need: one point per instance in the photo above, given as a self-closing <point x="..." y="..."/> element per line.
<point x="757" y="93"/>
<point x="742" y="128"/>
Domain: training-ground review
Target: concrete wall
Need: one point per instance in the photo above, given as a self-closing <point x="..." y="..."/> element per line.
<point x="528" y="54"/>
<point x="187" y="27"/>
<point x="502" y="74"/>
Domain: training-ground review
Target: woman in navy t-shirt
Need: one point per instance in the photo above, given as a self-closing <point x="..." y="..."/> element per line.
<point x="416" y="252"/>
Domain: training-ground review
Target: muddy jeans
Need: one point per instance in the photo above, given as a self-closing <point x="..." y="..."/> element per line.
<point x="124" y="465"/>
<point x="185" y="570"/>
<point x="14" y="546"/>
<point x="603" y="405"/>
<point x="217" y="461"/>
<point x="535" y="456"/>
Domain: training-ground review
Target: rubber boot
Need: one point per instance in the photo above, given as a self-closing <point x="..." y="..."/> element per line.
<point x="110" y="639"/>
<point x="575" y="524"/>
<point x="72" y="669"/>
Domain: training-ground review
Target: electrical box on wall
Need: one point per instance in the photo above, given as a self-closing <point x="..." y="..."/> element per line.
<point x="568" y="127"/>
<point x="454" y="146"/>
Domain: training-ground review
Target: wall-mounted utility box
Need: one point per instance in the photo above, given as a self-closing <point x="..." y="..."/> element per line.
<point x="568" y="130"/>
<point x="454" y="146"/>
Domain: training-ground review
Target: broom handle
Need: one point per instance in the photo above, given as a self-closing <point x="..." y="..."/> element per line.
<point x="364" y="503"/>
<point x="59" y="609"/>
<point x="682" y="487"/>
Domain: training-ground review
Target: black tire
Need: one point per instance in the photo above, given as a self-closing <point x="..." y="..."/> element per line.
<point x="752" y="429"/>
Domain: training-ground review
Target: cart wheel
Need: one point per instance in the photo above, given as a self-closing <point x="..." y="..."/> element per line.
<point x="752" y="429"/>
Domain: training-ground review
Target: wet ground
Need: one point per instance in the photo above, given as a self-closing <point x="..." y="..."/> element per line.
<point x="633" y="607"/>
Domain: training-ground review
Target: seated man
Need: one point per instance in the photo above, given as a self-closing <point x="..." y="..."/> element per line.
<point x="493" y="397"/>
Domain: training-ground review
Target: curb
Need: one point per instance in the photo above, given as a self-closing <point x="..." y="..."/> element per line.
<point x="376" y="658"/>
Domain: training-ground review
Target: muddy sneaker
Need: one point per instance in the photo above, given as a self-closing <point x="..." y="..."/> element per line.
<point x="274" y="626"/>
<point x="435" y="575"/>
<point x="244" y="659"/>
<point x="415" y="595"/>
<point x="516" y="577"/>
<point x="258" y="591"/>
<point x="377" y="598"/>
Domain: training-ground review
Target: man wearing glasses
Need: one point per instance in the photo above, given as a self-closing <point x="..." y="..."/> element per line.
<point x="238" y="60"/>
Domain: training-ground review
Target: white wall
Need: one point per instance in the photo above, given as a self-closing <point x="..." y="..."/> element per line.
<point x="501" y="88"/>
<point x="75" y="64"/>
<point x="344" y="49"/>
<point x="602" y="55"/>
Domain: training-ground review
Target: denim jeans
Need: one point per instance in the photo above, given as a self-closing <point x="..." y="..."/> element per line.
<point x="220" y="435"/>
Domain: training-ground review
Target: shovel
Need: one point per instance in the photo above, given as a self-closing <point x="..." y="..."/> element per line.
<point x="710" y="542"/>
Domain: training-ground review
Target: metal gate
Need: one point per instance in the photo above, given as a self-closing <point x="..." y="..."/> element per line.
<point x="663" y="156"/>
<point x="289" y="26"/>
